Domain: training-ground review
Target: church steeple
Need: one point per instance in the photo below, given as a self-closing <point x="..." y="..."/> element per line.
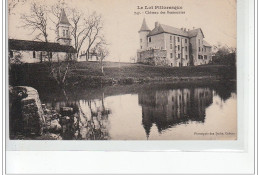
<point x="63" y="18"/>
<point x="63" y="29"/>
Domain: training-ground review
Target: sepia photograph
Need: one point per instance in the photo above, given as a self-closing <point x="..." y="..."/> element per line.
<point x="122" y="70"/>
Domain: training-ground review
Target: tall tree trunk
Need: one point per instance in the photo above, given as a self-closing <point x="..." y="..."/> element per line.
<point x="102" y="68"/>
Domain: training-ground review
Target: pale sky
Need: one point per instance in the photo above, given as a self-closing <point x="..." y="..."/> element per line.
<point x="216" y="18"/>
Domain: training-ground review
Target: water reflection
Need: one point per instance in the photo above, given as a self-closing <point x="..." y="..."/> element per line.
<point x="168" y="108"/>
<point x="115" y="114"/>
<point x="90" y="121"/>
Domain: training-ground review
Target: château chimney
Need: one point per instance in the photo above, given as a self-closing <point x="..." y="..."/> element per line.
<point x="156" y="24"/>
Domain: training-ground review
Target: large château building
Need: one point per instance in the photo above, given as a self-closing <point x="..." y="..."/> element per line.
<point x="37" y="51"/>
<point x="166" y="45"/>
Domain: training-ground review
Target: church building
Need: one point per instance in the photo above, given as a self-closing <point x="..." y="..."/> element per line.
<point x="36" y="51"/>
<point x="167" y="45"/>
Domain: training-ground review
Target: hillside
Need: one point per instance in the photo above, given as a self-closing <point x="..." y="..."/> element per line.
<point x="89" y="73"/>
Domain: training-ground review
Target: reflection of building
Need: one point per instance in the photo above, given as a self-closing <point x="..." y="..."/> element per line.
<point x="168" y="108"/>
<point x="167" y="45"/>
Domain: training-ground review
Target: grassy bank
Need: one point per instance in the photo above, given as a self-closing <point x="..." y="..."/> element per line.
<point x="89" y="74"/>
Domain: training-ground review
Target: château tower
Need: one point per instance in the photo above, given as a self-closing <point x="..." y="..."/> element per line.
<point x="63" y="29"/>
<point x="143" y="32"/>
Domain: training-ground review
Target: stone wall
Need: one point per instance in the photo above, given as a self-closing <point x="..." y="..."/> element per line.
<point x="152" y="57"/>
<point x="25" y="101"/>
<point x="157" y="42"/>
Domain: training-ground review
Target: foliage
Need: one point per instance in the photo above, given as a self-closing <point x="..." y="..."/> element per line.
<point x="16" y="59"/>
<point x="225" y="56"/>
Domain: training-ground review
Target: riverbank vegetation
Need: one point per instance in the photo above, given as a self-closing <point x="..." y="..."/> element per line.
<point x="88" y="74"/>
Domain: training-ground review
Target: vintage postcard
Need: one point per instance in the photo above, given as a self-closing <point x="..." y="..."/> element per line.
<point x="122" y="70"/>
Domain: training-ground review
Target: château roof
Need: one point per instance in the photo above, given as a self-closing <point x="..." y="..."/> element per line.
<point x="161" y="28"/>
<point x="194" y="32"/>
<point x="205" y="43"/>
<point x="39" y="46"/>
<point x="144" y="26"/>
<point x="63" y="18"/>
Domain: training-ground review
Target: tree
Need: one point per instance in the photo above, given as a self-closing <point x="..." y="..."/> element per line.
<point x="15" y="59"/>
<point x="12" y="4"/>
<point x="133" y="59"/>
<point x="102" y="52"/>
<point x="85" y="29"/>
<point x="222" y="51"/>
<point x="82" y="28"/>
<point x="95" y="26"/>
<point x="37" y="21"/>
<point x="60" y="71"/>
<point x="225" y="55"/>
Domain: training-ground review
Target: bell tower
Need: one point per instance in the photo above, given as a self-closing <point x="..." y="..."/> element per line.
<point x="63" y="29"/>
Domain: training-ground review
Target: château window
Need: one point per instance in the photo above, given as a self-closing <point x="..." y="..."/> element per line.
<point x="199" y="49"/>
<point x="178" y="39"/>
<point x="50" y="54"/>
<point x="186" y="48"/>
<point x="205" y="57"/>
<point x="178" y="47"/>
<point x="185" y="40"/>
<point x="149" y="39"/>
<point x="202" y="49"/>
<point x="199" y="41"/>
<point x="140" y="40"/>
<point x="179" y="55"/>
<point x="64" y="33"/>
<point x="170" y="46"/>
<point x="205" y="49"/>
<point x="186" y="57"/>
<point x="67" y="33"/>
<point x="171" y="55"/>
<point x="34" y="54"/>
<point x="171" y="38"/>
<point x="11" y="54"/>
<point x="141" y="47"/>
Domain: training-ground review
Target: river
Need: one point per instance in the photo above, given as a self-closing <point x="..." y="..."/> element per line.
<point x="155" y="111"/>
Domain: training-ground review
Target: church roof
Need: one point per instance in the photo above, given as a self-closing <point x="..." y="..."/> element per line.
<point x="63" y="18"/>
<point x="39" y="46"/>
<point x="144" y="26"/>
